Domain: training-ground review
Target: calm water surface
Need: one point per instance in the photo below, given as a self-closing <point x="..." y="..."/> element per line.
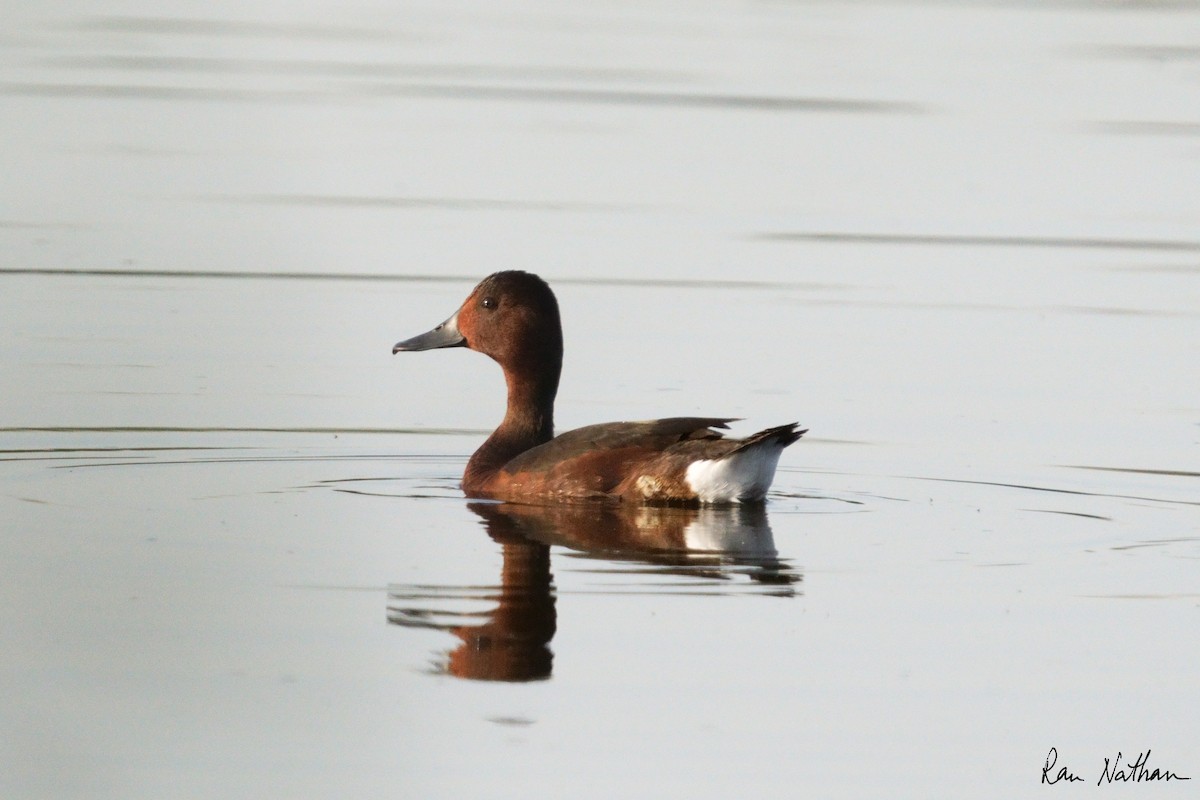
<point x="957" y="242"/>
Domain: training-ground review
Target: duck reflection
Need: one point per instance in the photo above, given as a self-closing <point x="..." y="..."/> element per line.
<point x="709" y="548"/>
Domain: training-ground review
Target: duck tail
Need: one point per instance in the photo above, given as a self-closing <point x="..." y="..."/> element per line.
<point x="780" y="436"/>
<point x="744" y="473"/>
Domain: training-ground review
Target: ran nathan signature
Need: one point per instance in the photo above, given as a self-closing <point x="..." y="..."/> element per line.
<point x="1114" y="771"/>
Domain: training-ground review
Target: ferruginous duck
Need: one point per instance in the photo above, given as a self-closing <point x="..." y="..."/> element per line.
<point x="513" y="317"/>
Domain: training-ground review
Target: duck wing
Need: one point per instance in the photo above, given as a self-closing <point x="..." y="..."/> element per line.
<point x="592" y="460"/>
<point x="653" y="433"/>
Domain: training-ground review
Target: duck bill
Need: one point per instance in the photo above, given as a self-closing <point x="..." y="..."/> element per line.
<point x="444" y="335"/>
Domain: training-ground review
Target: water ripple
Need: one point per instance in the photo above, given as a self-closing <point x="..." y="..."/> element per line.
<point x="1073" y="242"/>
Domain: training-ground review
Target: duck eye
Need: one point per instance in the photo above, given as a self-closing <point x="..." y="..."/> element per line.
<point x="489" y="302"/>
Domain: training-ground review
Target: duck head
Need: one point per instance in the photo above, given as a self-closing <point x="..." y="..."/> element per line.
<point x="513" y="318"/>
<point x="510" y="316"/>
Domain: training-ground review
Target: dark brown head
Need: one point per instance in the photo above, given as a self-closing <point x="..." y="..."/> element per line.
<point x="511" y="316"/>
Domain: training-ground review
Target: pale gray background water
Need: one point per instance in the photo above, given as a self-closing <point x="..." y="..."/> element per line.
<point x="958" y="241"/>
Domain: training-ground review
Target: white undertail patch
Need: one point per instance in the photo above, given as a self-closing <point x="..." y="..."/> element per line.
<point x="745" y="475"/>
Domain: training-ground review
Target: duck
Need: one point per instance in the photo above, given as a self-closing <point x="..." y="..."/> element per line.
<point x="512" y="316"/>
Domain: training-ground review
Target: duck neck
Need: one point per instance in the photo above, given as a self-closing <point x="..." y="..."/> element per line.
<point x="528" y="422"/>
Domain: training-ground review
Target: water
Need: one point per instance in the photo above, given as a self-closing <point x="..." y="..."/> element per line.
<point x="957" y="242"/>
